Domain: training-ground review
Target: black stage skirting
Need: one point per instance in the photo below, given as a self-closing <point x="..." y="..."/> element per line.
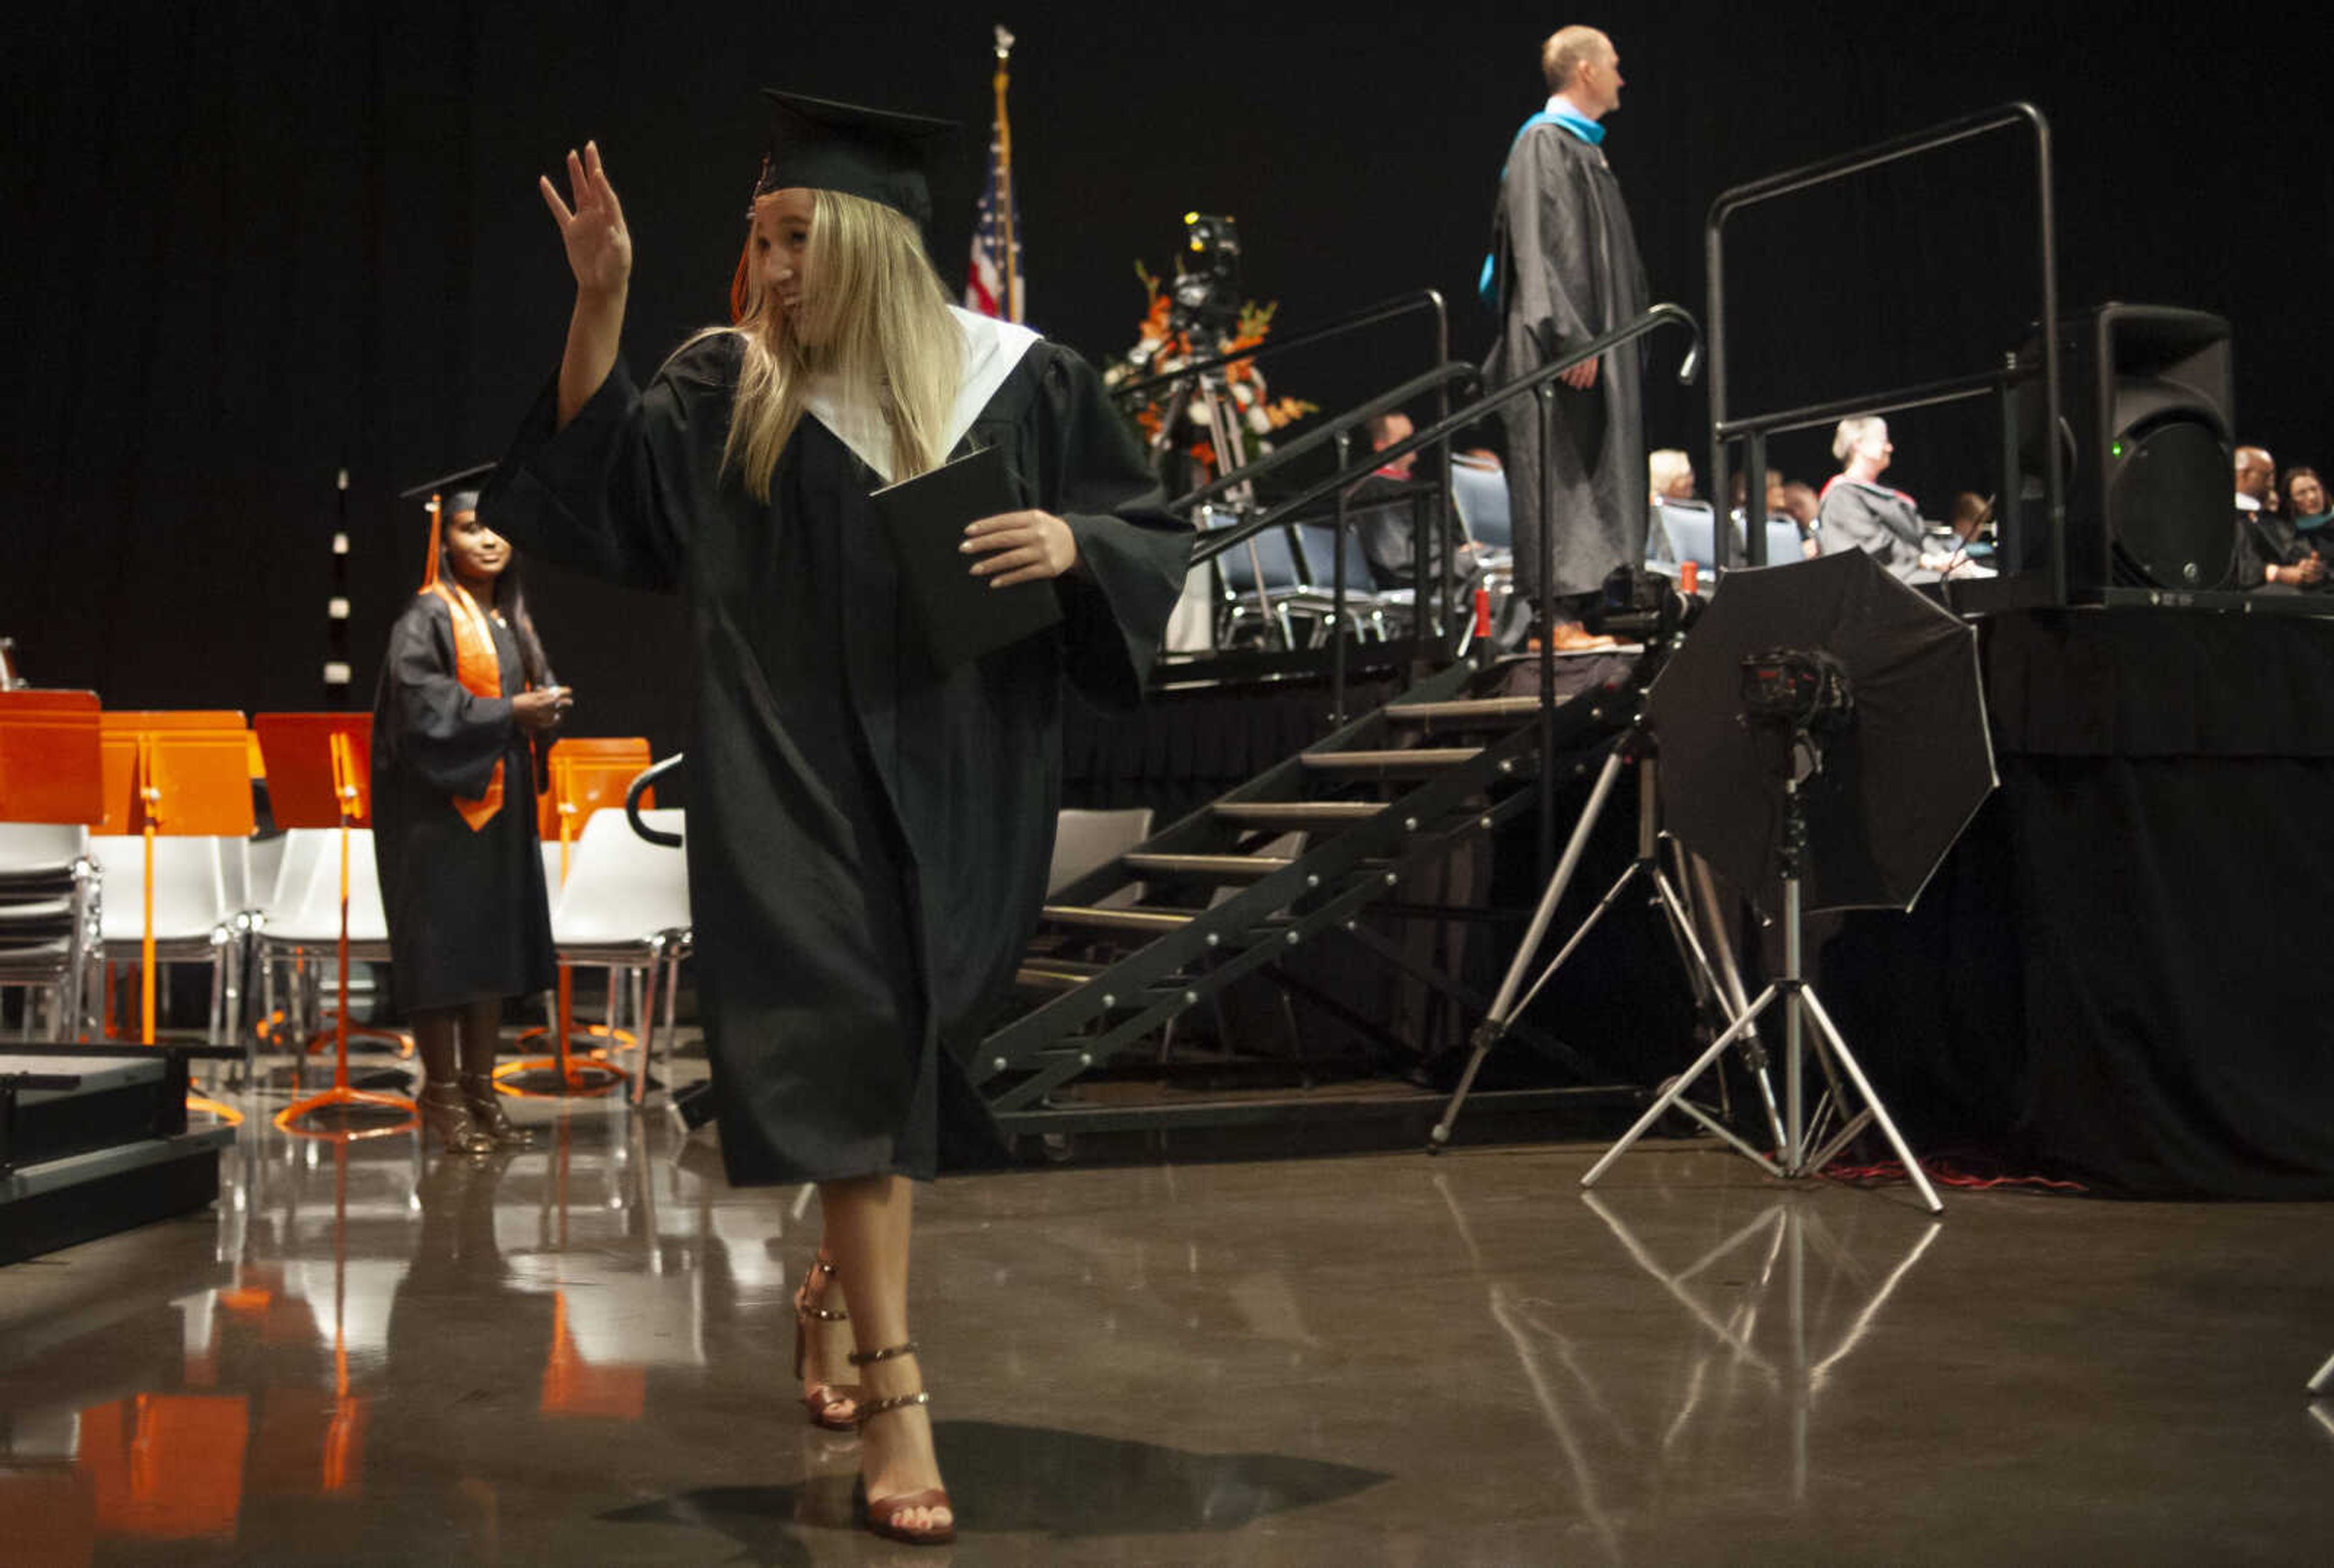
<point x="2121" y="973"/>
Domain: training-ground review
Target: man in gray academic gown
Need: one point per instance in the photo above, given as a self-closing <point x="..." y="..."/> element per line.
<point x="1563" y="269"/>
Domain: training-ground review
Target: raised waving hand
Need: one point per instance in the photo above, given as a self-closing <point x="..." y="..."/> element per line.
<point x="600" y="254"/>
<point x="599" y="245"/>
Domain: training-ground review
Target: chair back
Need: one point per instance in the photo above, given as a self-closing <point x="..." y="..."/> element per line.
<point x="1480" y="494"/>
<point x="1318" y="563"/>
<point x="294" y="856"/>
<point x="1692" y="530"/>
<point x="314" y="915"/>
<point x="190" y="899"/>
<point x="621" y="889"/>
<point x="39" y="849"/>
<point x="1783" y="541"/>
<point x="1266" y="561"/>
<point x="1087" y="841"/>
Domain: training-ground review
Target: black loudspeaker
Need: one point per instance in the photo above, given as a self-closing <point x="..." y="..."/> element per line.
<point x="2146" y="440"/>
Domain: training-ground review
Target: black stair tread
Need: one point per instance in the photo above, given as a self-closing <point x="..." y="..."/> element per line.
<point x="1298" y="810"/>
<point x="1473" y="707"/>
<point x="1054" y="977"/>
<point x="1404" y="756"/>
<point x="1132" y="918"/>
<point x="1208" y="865"/>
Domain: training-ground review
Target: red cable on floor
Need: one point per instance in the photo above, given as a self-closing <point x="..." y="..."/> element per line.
<point x="1945" y="1173"/>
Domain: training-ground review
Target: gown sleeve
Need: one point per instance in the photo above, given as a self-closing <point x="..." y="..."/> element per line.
<point x="449" y="738"/>
<point x="1551" y="251"/>
<point x="1133" y="554"/>
<point x="611" y="495"/>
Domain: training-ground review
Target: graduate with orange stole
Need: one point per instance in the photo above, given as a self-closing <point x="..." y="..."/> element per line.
<point x="466" y="694"/>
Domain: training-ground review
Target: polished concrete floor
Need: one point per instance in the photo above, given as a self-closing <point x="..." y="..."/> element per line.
<point x="578" y="1355"/>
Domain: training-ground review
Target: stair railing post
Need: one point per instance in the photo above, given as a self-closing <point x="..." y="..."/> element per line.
<point x="1338" y="594"/>
<point x="1544" y="623"/>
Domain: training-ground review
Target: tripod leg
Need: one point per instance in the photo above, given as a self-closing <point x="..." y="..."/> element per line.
<point x="1830" y="1036"/>
<point x="1678" y="1086"/>
<point x="1755" y="1050"/>
<point x="1504" y="1007"/>
<point x="1682" y="923"/>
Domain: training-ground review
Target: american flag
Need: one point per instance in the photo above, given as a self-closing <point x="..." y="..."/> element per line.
<point x="997" y="225"/>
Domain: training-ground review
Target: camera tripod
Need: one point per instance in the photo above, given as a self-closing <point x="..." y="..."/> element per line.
<point x="1717" y="986"/>
<point x="1803" y="1010"/>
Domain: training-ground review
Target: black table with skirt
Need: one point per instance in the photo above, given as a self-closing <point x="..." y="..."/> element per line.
<point x="2121" y="972"/>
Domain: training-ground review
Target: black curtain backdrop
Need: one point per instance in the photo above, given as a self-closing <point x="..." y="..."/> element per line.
<point x="249" y="245"/>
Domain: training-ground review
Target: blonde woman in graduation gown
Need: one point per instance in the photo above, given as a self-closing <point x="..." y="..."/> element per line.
<point x="869" y="834"/>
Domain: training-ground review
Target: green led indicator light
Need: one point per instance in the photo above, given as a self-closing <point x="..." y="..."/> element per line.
<point x="2116" y="450"/>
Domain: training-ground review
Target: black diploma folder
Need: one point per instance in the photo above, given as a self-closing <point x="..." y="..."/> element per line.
<point x="963" y="616"/>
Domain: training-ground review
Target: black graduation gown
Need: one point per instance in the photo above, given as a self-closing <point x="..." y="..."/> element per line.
<point x="468" y="917"/>
<point x="1567" y="269"/>
<point x="868" y="836"/>
<point x="1884" y="523"/>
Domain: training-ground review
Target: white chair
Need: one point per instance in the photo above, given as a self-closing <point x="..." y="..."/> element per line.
<point x="625" y="904"/>
<point x="194" y="920"/>
<point x="301" y="924"/>
<point x="50" y="905"/>
<point x="1087" y="841"/>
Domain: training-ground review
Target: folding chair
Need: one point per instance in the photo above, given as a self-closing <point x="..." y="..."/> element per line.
<point x="625" y="904"/>
<point x="194" y="919"/>
<point x="49" y="903"/>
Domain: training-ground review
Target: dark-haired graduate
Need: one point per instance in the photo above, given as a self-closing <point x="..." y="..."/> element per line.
<point x="465" y="691"/>
<point x="869" y="831"/>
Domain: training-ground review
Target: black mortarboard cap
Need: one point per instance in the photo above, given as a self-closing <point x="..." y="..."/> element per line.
<point x="819" y="145"/>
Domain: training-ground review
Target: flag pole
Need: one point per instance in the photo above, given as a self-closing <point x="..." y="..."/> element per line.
<point x="1011" y="302"/>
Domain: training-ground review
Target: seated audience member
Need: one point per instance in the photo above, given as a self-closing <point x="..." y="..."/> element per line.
<point x="1859" y="513"/>
<point x="2308" y="508"/>
<point x="2269" y="552"/>
<point x="1385" y="529"/>
<point x="1669" y="476"/>
<point x="1735" y="486"/>
<point x="2256" y="480"/>
<point x="1801" y="505"/>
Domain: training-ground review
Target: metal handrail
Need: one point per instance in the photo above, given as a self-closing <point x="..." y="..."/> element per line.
<point x="1928" y="394"/>
<point x="642" y="783"/>
<point x="1368" y="316"/>
<point x="1450" y="374"/>
<point x="2007" y="116"/>
<point x="1659" y="315"/>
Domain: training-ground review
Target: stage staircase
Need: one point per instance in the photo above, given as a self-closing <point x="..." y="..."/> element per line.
<point x="1295" y="854"/>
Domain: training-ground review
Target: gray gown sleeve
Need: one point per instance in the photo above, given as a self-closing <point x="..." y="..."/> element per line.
<point x="1553" y="251"/>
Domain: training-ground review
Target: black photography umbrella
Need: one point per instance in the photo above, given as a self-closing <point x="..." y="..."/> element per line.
<point x="1901" y="776"/>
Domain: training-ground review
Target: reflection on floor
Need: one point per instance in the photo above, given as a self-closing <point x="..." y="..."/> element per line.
<point x="577" y="1355"/>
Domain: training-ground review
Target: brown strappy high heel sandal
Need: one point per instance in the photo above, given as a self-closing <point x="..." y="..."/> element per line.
<point x="487" y="1113"/>
<point x="882" y="1513"/>
<point x="830" y="1406"/>
<point x="446" y="1115"/>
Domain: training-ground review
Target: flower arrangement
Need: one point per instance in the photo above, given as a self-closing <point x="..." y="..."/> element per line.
<point x="1160" y="347"/>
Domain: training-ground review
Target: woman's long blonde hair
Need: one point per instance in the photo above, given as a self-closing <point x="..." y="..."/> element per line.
<point x="879" y="321"/>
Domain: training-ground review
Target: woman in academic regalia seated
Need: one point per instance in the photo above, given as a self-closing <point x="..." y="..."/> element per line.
<point x="869" y="828"/>
<point x="464" y="692"/>
<point x="1857" y="511"/>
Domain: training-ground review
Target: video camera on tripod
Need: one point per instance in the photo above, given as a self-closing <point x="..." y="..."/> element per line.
<point x="1205" y="302"/>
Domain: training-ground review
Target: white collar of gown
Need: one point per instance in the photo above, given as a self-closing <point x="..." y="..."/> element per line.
<point x="991" y="349"/>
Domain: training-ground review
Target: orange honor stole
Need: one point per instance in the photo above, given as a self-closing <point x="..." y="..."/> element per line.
<point x="480" y="670"/>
